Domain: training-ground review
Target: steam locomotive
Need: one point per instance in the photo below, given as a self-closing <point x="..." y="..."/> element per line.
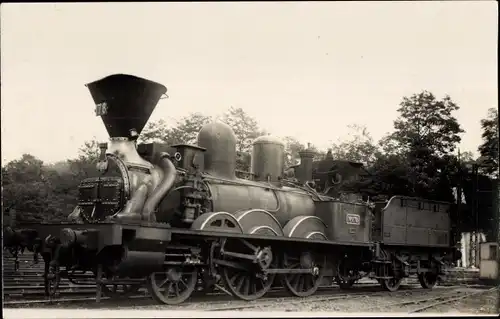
<point x="172" y="216"/>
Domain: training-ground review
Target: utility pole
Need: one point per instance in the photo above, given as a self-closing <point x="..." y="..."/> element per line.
<point x="474" y="234"/>
<point x="459" y="207"/>
<point x="476" y="215"/>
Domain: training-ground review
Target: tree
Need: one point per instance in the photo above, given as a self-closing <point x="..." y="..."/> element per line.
<point x="185" y="131"/>
<point x="84" y="166"/>
<point x="426" y="123"/>
<point x="188" y="127"/>
<point x="156" y="132"/>
<point x="390" y="176"/>
<point x="246" y="129"/>
<point x="425" y="132"/>
<point x="292" y="149"/>
<point x="466" y="156"/>
<point x="244" y="126"/>
<point x="359" y="147"/>
<point x="25" y="188"/>
<point x="90" y="150"/>
<point x="389" y="146"/>
<point x="489" y="148"/>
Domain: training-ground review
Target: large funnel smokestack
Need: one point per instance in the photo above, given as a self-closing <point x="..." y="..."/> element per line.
<point x="125" y="102"/>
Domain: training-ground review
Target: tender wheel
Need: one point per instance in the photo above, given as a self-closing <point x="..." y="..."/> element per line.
<point x="173" y="286"/>
<point x="427" y="280"/>
<point x="392" y="284"/>
<point x="303" y="285"/>
<point x="120" y="290"/>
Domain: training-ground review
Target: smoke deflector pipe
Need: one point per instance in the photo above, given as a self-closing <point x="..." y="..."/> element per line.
<point x="169" y="176"/>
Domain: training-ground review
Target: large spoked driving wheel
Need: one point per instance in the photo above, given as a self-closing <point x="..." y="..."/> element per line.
<point x="303" y="285"/>
<point x="246" y="279"/>
<point x="173" y="286"/>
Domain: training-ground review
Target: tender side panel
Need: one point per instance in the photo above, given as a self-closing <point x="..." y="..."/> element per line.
<point x="415" y="222"/>
<point x="417" y="232"/>
<point x="394" y="223"/>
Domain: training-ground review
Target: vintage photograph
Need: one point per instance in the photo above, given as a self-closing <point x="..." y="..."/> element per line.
<point x="250" y="159"/>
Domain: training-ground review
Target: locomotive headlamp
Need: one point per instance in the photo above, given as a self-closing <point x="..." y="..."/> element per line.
<point x="68" y="237"/>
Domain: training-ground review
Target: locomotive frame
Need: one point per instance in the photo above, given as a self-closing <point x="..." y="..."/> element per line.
<point x="180" y="219"/>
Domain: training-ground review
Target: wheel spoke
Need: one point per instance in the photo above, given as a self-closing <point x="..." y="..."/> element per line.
<point x="181" y="281"/>
<point x="241" y="281"/>
<point x="302" y="283"/>
<point x="294" y="279"/>
<point x="309" y="282"/>
<point x="254" y="283"/>
<point x="168" y="289"/>
<point x="246" y="291"/>
<point x="163" y="283"/>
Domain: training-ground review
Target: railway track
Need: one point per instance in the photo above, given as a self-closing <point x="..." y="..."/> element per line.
<point x="212" y="301"/>
<point x="297" y="301"/>
<point x="432" y="303"/>
<point x="143" y="295"/>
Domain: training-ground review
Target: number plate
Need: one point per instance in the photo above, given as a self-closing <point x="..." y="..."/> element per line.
<point x="352" y="219"/>
<point x="101" y="109"/>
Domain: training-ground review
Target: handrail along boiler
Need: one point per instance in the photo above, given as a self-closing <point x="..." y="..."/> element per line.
<point x="172" y="216"/>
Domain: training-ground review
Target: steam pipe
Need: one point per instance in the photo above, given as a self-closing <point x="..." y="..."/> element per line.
<point x="170" y="174"/>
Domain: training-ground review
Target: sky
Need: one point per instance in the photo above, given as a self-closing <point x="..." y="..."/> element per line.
<point x="303" y="69"/>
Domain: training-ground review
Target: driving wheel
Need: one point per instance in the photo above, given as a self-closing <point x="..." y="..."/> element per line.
<point x="248" y="280"/>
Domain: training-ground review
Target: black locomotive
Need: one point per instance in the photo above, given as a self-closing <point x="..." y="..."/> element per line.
<point x="172" y="216"/>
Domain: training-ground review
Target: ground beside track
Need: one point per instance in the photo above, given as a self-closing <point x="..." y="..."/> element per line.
<point x="482" y="304"/>
<point x="361" y="300"/>
<point x="402" y="303"/>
